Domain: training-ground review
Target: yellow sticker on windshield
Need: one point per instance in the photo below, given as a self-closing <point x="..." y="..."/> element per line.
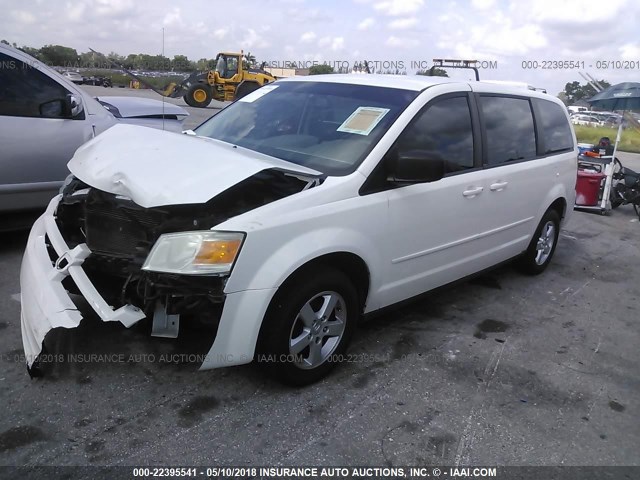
<point x="363" y="120"/>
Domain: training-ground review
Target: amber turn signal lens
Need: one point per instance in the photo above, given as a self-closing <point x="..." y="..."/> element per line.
<point x="217" y="252"/>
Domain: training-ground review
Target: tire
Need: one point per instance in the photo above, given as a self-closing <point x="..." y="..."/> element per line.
<point x="198" y="95"/>
<point x="300" y="343"/>
<point x="188" y="100"/>
<point x="246" y="88"/>
<point x="614" y="198"/>
<point x="543" y="245"/>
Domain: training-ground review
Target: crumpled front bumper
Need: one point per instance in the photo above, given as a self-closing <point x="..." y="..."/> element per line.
<point x="47" y="305"/>
<point x="44" y="300"/>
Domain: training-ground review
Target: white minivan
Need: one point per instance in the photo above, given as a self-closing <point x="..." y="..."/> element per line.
<point x="298" y="210"/>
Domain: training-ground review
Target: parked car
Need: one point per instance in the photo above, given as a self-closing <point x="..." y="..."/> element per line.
<point x="611" y="121"/>
<point x="44" y="118"/>
<point x="74" y="77"/>
<point x="588" y="120"/>
<point x="573" y="109"/>
<point x="97" y="81"/>
<point x="299" y="209"/>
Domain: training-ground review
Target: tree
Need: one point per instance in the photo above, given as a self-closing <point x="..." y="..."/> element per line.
<point x="249" y="61"/>
<point x="181" y="63"/>
<point x="574" y="91"/>
<point x="205" y="64"/>
<point x="563" y="97"/>
<point x="130" y="61"/>
<point x="320" y="69"/>
<point x="113" y="56"/>
<point x="59" y="56"/>
<point x="34" y="52"/>
<point x="433" y="72"/>
<point x="88" y="59"/>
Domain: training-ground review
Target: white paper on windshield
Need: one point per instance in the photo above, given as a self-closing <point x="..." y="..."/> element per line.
<point x="363" y="120"/>
<point x="256" y="94"/>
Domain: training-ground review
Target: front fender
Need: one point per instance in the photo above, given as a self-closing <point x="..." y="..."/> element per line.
<point x="272" y="254"/>
<point x="280" y="242"/>
<point x="261" y="268"/>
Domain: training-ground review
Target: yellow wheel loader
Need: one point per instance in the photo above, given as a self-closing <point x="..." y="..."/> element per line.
<point x="231" y="79"/>
<point x="228" y="81"/>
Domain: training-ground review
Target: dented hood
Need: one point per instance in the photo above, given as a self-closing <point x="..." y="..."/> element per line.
<point x="155" y="168"/>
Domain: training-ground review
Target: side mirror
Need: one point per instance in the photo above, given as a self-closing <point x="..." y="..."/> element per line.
<point x="415" y="166"/>
<point x="74" y="105"/>
<point x="53" y="108"/>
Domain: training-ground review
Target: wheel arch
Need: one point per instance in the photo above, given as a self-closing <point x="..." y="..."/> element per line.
<point x="352" y="265"/>
<point x="560" y="206"/>
<point x="557" y="199"/>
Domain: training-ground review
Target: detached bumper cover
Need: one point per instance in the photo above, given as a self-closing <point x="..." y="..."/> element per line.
<point x="47" y="305"/>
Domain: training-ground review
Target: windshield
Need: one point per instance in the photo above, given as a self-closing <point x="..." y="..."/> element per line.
<point x="329" y="127"/>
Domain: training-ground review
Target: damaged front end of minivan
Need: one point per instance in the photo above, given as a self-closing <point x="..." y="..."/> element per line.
<point x="164" y="261"/>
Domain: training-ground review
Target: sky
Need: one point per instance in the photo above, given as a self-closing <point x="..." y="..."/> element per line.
<point x="408" y="33"/>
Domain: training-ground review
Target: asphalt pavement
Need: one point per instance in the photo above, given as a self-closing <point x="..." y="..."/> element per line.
<point x="502" y="370"/>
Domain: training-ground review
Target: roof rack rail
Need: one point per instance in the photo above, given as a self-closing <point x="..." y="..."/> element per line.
<point x="456" y="63"/>
<point x="509" y="83"/>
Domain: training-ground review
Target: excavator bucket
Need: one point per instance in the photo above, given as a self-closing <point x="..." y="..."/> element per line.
<point x="177" y="90"/>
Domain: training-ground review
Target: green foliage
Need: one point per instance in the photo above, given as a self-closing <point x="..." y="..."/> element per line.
<point x="90" y="59"/>
<point x="249" y="61"/>
<point x="205" y="64"/>
<point x="629" y="140"/>
<point x="181" y="63"/>
<point x="113" y="56"/>
<point x="574" y="91"/>
<point x="433" y="72"/>
<point x="320" y="69"/>
<point x="34" y="52"/>
<point x="59" y="56"/>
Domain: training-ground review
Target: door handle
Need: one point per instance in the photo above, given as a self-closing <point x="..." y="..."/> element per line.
<point x="472" y="192"/>
<point x="496" y="187"/>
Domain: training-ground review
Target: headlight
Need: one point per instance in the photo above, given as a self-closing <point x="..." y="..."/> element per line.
<point x="195" y="253"/>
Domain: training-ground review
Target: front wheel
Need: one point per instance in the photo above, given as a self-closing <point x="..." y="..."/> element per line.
<point x="543" y="245"/>
<point x="308" y="326"/>
<point x="198" y="95"/>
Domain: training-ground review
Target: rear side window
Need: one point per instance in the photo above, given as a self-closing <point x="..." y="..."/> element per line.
<point x="556" y="132"/>
<point x="508" y="122"/>
<point x="24" y="89"/>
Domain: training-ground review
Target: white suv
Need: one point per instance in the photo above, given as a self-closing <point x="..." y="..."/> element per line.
<point x="299" y="209"/>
